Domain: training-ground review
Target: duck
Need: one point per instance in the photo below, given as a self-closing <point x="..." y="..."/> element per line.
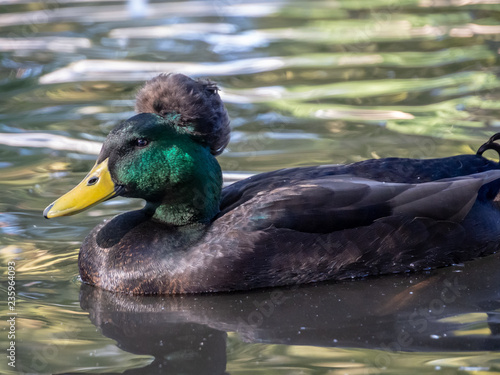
<point x="285" y="227"/>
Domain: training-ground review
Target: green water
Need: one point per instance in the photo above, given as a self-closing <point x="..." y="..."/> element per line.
<point x="305" y="83"/>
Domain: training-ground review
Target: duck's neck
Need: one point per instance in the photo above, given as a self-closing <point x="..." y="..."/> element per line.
<point x="196" y="202"/>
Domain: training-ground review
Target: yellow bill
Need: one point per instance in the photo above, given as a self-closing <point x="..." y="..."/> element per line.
<point x="96" y="187"/>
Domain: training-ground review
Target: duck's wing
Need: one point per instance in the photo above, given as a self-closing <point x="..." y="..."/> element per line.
<point x="322" y="204"/>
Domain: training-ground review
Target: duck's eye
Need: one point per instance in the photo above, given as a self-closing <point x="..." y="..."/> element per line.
<point x="141" y="142"/>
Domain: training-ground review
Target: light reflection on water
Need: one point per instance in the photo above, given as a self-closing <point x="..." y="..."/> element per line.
<point x="305" y="83"/>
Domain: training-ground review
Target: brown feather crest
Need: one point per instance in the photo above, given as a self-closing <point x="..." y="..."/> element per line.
<point x="196" y="101"/>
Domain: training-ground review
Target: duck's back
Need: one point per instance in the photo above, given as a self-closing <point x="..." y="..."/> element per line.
<point x="373" y="217"/>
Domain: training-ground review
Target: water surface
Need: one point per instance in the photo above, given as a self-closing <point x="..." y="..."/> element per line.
<point x="305" y="83"/>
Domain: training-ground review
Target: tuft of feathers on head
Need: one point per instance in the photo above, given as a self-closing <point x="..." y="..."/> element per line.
<point x="196" y="101"/>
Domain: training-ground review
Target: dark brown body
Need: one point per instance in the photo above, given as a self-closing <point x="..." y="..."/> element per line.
<point x="308" y="224"/>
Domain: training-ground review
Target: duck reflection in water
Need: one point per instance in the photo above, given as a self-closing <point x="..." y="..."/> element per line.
<point x="409" y="312"/>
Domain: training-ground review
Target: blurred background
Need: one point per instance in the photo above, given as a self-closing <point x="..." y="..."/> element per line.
<point x="305" y="83"/>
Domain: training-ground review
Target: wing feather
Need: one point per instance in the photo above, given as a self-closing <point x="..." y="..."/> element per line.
<point x="335" y="202"/>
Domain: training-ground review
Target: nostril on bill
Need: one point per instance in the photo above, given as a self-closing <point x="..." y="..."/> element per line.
<point x="92" y="181"/>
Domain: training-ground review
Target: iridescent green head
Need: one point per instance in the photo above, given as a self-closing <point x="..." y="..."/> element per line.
<point x="165" y="155"/>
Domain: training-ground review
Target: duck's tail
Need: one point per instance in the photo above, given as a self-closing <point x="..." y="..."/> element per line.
<point x="490" y="145"/>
